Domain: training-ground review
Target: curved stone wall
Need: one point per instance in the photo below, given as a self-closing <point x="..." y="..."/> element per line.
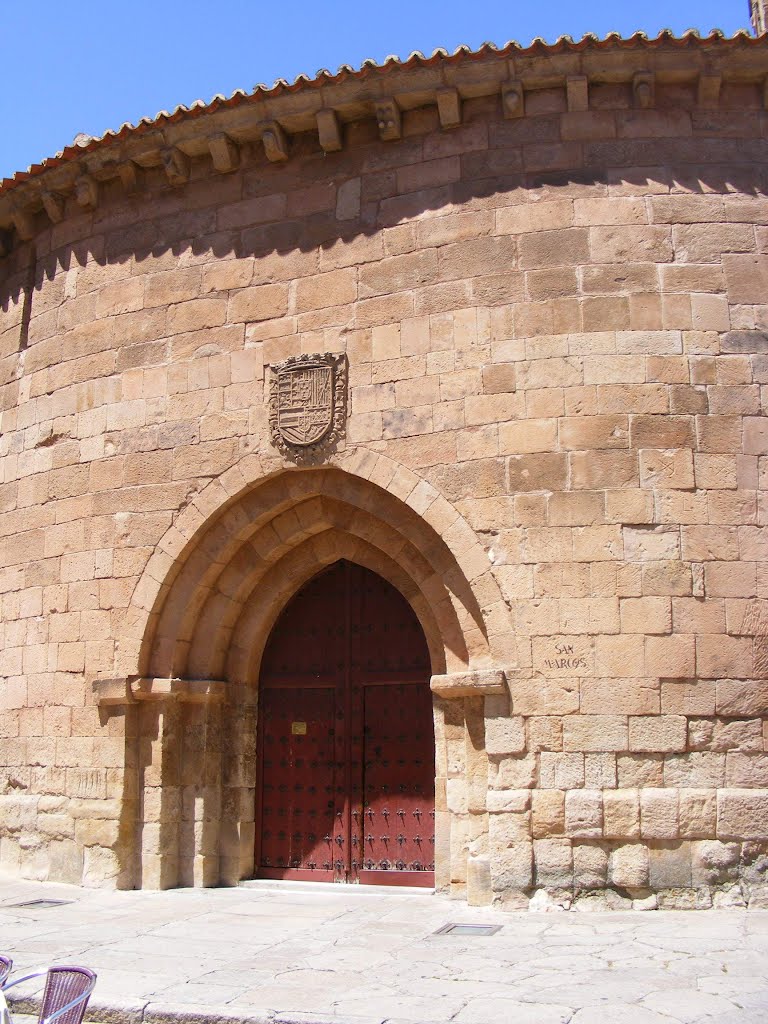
<point x="556" y="339"/>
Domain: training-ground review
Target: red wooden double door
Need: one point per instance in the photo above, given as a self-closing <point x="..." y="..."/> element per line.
<point x="346" y="737"/>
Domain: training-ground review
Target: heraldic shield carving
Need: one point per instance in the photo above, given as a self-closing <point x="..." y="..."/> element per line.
<point x="307" y="402"/>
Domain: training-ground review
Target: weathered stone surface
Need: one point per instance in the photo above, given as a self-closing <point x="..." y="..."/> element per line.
<point x="741" y="814"/>
<point x="744" y="342"/>
<point x="629" y="866"/>
<point x="595" y="732"/>
<point x="621" y="812"/>
<point x="662" y="733"/>
<point x="670" y="866"/>
<point x="584" y="814"/>
<point x="554" y="862"/>
<point x="737" y="698"/>
<point x="698" y="813"/>
<point x="659" y="814"/>
<point x="714" y="862"/>
<point x="505" y="735"/>
<point x="548" y="813"/>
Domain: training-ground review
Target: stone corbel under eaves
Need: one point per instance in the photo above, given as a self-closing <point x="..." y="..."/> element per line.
<point x="709" y="88"/>
<point x="23" y="221"/>
<point x="224" y="153"/>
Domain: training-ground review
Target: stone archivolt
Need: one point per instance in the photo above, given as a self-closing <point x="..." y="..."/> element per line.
<point x="205" y="623"/>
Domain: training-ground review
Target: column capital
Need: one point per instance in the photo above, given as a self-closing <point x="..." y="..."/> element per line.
<point x="187" y="691"/>
<point x="469" y="684"/>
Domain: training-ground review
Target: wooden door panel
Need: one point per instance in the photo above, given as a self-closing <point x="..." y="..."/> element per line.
<point x="386" y="638"/>
<point x="399" y="781"/>
<point x="299" y="780"/>
<point x="309" y="638"/>
<point x="346" y="736"/>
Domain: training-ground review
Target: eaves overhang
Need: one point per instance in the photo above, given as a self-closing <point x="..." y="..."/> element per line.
<point x="325" y="103"/>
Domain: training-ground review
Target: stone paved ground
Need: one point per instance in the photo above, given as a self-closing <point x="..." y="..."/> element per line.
<point x="360" y="957"/>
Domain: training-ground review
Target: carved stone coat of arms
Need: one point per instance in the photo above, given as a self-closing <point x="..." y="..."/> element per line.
<point x="307" y="402"/>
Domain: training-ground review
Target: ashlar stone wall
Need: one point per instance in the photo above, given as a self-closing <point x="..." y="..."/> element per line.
<point x="556" y="335"/>
<point x="758" y="12"/>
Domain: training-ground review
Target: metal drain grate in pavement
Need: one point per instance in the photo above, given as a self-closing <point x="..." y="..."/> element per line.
<point x="468" y="929"/>
<point x="42" y="904"/>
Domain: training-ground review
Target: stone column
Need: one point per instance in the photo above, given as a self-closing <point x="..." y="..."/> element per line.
<point x="461" y="786"/>
<point x="238" y="794"/>
<point x="159" y="791"/>
<point x="478" y="862"/>
<point x="201" y="794"/>
<point x="177" y="760"/>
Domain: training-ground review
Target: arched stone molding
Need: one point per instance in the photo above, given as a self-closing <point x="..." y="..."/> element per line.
<point x="234" y="519"/>
<point x="284" y="579"/>
<point x="203" y="611"/>
<point x="241" y="587"/>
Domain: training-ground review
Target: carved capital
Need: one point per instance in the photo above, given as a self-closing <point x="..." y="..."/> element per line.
<point x="112" y="692"/>
<point x="176" y="166"/>
<point x="513" y="99"/>
<point x="449" y="107"/>
<point x="644" y="89"/>
<point x="275" y="142"/>
<point x="202" y="691"/>
<point x="187" y="691"/>
<point x="224" y="153"/>
<point x="388" y="120"/>
<point x="329" y="131"/>
<point x="469" y="684"/>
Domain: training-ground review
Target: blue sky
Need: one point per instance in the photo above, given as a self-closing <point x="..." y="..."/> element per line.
<point x="88" y="66"/>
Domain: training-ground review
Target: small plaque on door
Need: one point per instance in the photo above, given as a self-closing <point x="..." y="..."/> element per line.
<point x="298" y="728"/>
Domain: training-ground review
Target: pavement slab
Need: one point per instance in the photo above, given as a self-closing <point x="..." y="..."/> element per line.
<point x="271" y="954"/>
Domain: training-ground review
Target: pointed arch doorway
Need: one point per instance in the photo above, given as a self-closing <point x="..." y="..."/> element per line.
<point x="346" y="789"/>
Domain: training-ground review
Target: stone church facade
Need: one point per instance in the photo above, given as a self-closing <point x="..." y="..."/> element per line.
<point x="437" y="388"/>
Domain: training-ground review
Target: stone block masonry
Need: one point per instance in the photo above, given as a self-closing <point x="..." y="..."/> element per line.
<point x="759" y="16"/>
<point x="552" y="308"/>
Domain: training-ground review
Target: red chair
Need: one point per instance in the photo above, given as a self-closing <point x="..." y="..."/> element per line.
<point x="66" y="994"/>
